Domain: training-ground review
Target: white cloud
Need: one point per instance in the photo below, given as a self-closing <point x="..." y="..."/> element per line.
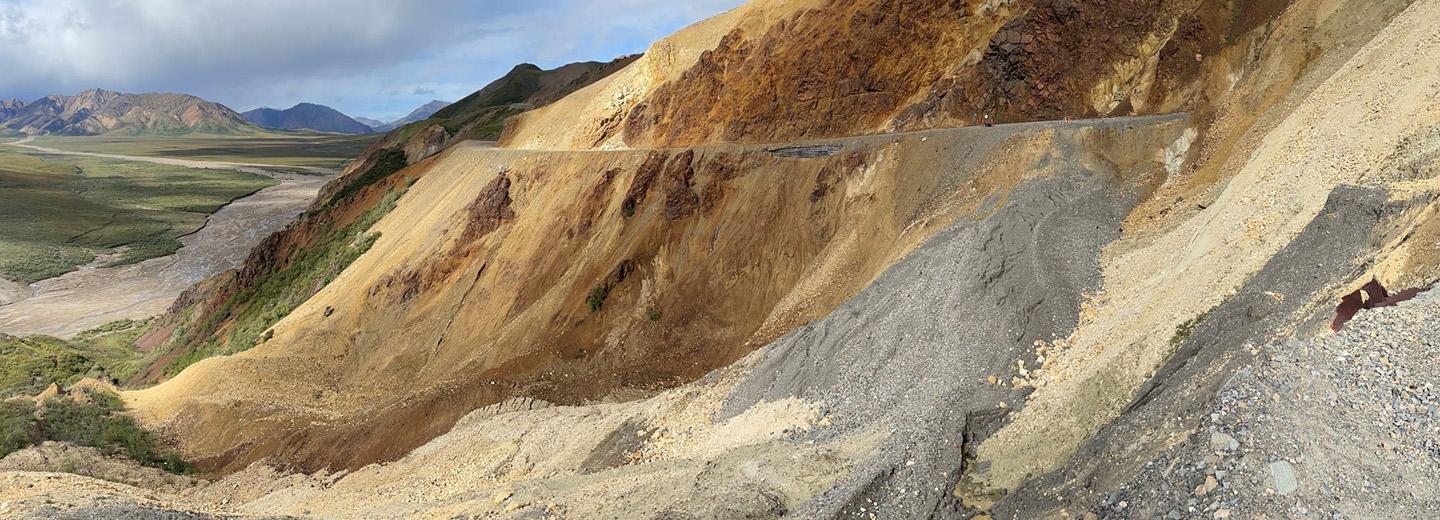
<point x="349" y="53"/>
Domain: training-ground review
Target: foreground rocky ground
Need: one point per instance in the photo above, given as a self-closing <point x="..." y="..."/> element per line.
<point x="1340" y="426"/>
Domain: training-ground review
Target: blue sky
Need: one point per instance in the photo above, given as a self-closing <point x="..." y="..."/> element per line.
<point x="370" y="58"/>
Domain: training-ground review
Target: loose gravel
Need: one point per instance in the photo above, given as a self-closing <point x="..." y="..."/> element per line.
<point x="1342" y="426"/>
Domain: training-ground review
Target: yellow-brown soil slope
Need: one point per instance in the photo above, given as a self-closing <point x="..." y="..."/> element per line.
<point x="573" y="276"/>
<point x="576" y="276"/>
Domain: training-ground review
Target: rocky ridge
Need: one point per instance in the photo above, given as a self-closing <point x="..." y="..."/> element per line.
<point x="97" y="111"/>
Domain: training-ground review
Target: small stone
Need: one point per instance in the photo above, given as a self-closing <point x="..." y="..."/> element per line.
<point x="1283" y="475"/>
<point x="1222" y="513"/>
<point x="1091" y="516"/>
<point x="1221" y="441"/>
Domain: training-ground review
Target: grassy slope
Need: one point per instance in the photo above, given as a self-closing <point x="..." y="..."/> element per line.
<point x="59" y="212"/>
<point x="99" y="420"/>
<point x="288" y="149"/>
<point x="28" y="365"/>
<point x="482" y="114"/>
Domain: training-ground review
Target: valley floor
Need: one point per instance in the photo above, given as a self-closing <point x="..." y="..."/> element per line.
<point x="95" y="295"/>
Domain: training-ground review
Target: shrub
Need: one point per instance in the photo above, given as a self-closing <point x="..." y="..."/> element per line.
<point x="1184" y="330"/>
<point x="18" y="429"/>
<point x="597" y="297"/>
<point x="99" y="424"/>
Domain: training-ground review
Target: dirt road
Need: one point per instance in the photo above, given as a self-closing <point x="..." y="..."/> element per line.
<point x="93" y="296"/>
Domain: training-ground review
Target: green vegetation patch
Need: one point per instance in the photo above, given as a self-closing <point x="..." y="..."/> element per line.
<point x="387" y="162"/>
<point x="60" y="212"/>
<point x="18" y="427"/>
<point x="491" y="124"/>
<point x="597" y="297"/>
<point x="29" y="365"/>
<point x="98" y="421"/>
<point x="279" y="292"/>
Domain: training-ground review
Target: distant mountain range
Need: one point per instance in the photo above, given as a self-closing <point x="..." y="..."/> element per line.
<point x="374" y="124"/>
<point x="419" y="114"/>
<point x="97" y="111"/>
<point x="320" y="118"/>
<point x="307" y="116"/>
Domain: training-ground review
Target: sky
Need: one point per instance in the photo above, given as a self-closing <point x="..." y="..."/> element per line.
<point x="369" y="58"/>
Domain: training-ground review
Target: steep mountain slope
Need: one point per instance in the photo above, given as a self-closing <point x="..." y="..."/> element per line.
<point x="96" y="111"/>
<point x="482" y="115"/>
<point x="228" y="314"/>
<point x="650" y="277"/>
<point x="307" y="116"/>
<point x="1040" y="320"/>
<point x="419" y="114"/>
<point x="9" y="107"/>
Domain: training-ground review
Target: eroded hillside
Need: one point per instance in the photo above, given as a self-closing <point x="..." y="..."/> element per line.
<point x="1104" y="318"/>
<point x="784" y="70"/>
<point x="233" y="311"/>
<point x="571" y="277"/>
